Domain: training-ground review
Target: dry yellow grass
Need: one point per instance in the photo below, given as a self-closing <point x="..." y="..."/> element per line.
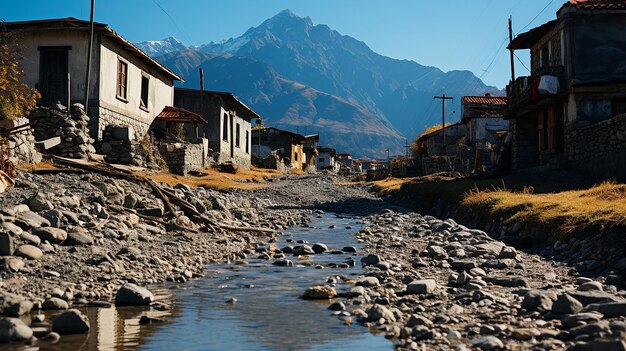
<point x="389" y="185"/>
<point x="243" y="179"/>
<point x="602" y="206"/>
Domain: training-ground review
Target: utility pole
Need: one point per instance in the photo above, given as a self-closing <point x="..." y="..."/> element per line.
<point x="388" y="163"/>
<point x="511" y="49"/>
<point x="201" y="97"/>
<point x="443" y="99"/>
<point x="88" y="80"/>
<point x="407" y="147"/>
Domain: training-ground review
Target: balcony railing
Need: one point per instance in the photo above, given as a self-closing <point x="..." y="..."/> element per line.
<point x="524" y="90"/>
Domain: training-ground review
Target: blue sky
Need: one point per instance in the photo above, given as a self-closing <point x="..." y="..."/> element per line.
<point x="449" y="34"/>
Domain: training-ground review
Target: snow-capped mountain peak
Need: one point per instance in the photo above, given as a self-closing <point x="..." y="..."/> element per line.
<point x="161" y="47"/>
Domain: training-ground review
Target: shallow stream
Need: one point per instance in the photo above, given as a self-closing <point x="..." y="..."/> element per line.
<point x="268" y="314"/>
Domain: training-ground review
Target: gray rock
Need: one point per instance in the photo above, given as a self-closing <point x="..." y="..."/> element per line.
<point x="371" y="259"/>
<point x="13" y="329"/>
<point x="349" y="249"/>
<point x="423" y="286"/>
<point x="611" y="309"/>
<point x="437" y="252"/>
<point x="319" y="248"/>
<point x="337" y="306"/>
<point x="28" y="251"/>
<point x="30" y="219"/>
<point x="376" y="312"/>
<point x="509" y="282"/>
<point x="319" y="292"/>
<point x="133" y="295"/>
<point x="53" y="235"/>
<point x="591" y="286"/>
<point x="573" y="320"/>
<point x="538" y="300"/>
<point x="78" y="238"/>
<point x="54" y="303"/>
<point x="508" y="252"/>
<point x="592" y="329"/>
<point x="589" y="297"/>
<point x="10" y="228"/>
<point x="13" y="264"/>
<point x="71" y="322"/>
<point x="7" y="246"/>
<point x="40" y="203"/>
<point x="492" y="247"/>
<point x="487" y="343"/>
<point x="566" y="304"/>
<point x="30" y="238"/>
<point x="283" y="263"/>
<point x="18" y="308"/>
<point x="303" y="250"/>
<point x="368" y="282"/>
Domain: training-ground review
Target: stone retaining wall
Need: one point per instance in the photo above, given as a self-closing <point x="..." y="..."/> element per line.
<point x="183" y="158"/>
<point x="71" y="127"/>
<point x="108" y="117"/>
<point x="22" y="143"/>
<point x="599" y="149"/>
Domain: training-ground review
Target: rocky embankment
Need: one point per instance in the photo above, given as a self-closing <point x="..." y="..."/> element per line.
<point x="69" y="240"/>
<point x="86" y="240"/>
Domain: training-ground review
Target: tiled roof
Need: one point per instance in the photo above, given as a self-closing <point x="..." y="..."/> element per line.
<point x="485" y="100"/>
<point x="598" y="4"/>
<point x="179" y="115"/>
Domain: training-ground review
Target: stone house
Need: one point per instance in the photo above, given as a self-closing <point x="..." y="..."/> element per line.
<point x="569" y="111"/>
<point x="485" y="129"/>
<point x="326" y="159"/>
<point x="435" y="158"/>
<point x="345" y="162"/>
<point x="310" y="152"/>
<point x="288" y="146"/>
<point x="127" y="87"/>
<point x="228" y="129"/>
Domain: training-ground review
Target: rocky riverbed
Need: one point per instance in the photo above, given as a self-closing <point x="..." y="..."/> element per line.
<point x="71" y="240"/>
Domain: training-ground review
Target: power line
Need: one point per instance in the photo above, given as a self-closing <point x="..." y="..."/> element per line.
<point x="522" y="62"/>
<point x="173" y="21"/>
<point x="539" y="14"/>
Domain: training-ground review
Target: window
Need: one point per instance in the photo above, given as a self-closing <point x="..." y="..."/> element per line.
<point x="122" y="76"/>
<point x="247" y="142"/>
<point x="295" y="155"/>
<point x="225" y="127"/>
<point x="321" y="159"/>
<point x="546" y="125"/>
<point x="238" y="135"/>
<point x="145" y="84"/>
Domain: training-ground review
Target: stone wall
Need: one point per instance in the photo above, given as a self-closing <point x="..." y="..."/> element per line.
<point x="182" y="158"/>
<point x="71" y="127"/>
<point x="525" y="147"/>
<point x="107" y="117"/>
<point x="21" y="143"/>
<point x="599" y="149"/>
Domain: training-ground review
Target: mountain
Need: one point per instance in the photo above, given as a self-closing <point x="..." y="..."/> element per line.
<point x="290" y="105"/>
<point x="330" y="69"/>
<point x="160" y="47"/>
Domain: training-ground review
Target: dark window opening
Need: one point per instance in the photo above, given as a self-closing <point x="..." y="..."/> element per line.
<point x="545" y="57"/>
<point x="225" y="128"/>
<point x="122" y="76"/>
<point x="295" y="156"/>
<point x="247" y="142"/>
<point x="322" y="159"/>
<point x="238" y="135"/>
<point x="145" y="84"/>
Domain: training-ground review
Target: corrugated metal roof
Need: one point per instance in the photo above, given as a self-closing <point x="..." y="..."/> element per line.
<point x="485" y="100"/>
<point x="179" y="115"/>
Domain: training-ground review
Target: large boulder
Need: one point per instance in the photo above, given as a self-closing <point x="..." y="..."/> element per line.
<point x="71" y="322"/>
<point x="53" y="235"/>
<point x="424" y="286"/>
<point x="29" y="251"/>
<point x="133" y="295"/>
<point x="13" y="329"/>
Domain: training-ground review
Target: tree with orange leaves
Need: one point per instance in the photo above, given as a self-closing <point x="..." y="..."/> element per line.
<point x="16" y="98"/>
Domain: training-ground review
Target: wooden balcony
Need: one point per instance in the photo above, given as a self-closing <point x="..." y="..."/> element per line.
<point x="524" y="93"/>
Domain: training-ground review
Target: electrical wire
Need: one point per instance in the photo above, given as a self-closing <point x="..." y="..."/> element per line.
<point x="173" y="21"/>
<point x="534" y="18"/>
<point x="522" y="62"/>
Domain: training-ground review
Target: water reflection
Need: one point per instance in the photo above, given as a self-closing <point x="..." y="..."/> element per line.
<point x="268" y="315"/>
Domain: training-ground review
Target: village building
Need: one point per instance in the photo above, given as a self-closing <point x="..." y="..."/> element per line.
<point x="570" y="112"/>
<point x="127" y="87"/>
<point x="310" y="152"/>
<point x="228" y="127"/>
<point x="345" y="162"/>
<point x="181" y="148"/>
<point x="435" y="158"/>
<point x="327" y="159"/>
<point x="485" y="130"/>
<point x="286" y="146"/>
